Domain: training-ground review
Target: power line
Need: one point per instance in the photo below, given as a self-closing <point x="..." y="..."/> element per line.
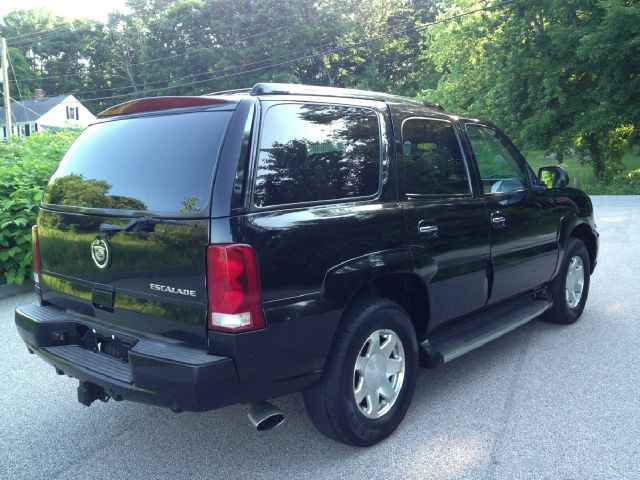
<point x="191" y="52"/>
<point x="30" y="43"/>
<point x="134" y="5"/>
<point x="24" y="106"/>
<point x="233" y="67"/>
<point x="313" y="55"/>
<point x="18" y="87"/>
<point x="38" y="33"/>
<point x="304" y="57"/>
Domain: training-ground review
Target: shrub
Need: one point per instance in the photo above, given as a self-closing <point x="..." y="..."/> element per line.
<point x="25" y="167"/>
<point x="627" y="183"/>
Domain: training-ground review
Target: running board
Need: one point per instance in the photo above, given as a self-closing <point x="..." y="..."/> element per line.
<point x="460" y="338"/>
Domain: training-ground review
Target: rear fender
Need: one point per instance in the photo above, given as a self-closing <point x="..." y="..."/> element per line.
<point x="343" y="281"/>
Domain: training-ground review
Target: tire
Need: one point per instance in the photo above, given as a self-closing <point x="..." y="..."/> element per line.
<point x="357" y="361"/>
<point x="566" y="307"/>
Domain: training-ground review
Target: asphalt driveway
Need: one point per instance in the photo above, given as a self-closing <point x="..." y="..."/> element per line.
<point x="545" y="401"/>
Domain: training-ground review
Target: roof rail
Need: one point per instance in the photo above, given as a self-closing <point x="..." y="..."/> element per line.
<point x="434" y="106"/>
<point x="295" y="89"/>
<point x="235" y="91"/>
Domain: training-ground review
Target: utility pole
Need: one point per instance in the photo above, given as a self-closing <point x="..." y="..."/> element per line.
<point x="5" y="87"/>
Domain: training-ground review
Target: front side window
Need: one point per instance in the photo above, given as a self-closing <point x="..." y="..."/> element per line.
<point x="316" y="152"/>
<point x="433" y="161"/>
<point x="499" y="167"/>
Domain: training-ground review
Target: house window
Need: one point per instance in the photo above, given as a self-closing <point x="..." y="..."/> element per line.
<point x="73" y="113"/>
<point x="35" y="127"/>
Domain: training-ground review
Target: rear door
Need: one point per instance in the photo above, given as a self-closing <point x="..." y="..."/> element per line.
<point x="446" y="223"/>
<point x="524" y="249"/>
<point x="124" y="222"/>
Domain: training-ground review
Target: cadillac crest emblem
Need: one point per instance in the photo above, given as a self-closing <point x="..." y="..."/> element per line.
<point x="101" y="253"/>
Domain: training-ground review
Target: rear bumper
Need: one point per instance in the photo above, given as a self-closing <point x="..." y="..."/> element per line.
<point x="160" y="373"/>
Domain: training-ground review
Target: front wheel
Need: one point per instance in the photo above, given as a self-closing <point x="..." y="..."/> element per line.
<point x="370" y="376"/>
<point x="570" y="288"/>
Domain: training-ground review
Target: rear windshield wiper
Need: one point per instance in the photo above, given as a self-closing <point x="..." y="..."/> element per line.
<point x="141" y="224"/>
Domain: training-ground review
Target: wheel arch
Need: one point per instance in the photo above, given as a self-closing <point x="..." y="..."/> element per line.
<point x="388" y="274"/>
<point x="407" y="290"/>
<point x="584" y="233"/>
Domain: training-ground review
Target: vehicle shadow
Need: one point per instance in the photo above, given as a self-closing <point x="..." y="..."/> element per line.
<point x="448" y="432"/>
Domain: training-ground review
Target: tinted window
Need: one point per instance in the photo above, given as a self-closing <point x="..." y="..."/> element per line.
<point x="498" y="163"/>
<point x="161" y="164"/>
<point x="317" y="152"/>
<point x="432" y="158"/>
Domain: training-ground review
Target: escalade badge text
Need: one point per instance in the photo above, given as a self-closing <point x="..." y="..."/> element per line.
<point x="101" y="253"/>
<point x="166" y="288"/>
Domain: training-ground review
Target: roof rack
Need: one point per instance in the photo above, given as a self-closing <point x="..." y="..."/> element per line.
<point x="235" y="91"/>
<point x="295" y="89"/>
<point x="434" y="106"/>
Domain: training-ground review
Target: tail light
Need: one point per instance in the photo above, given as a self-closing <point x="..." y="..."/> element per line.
<point x="233" y="287"/>
<point x="35" y="253"/>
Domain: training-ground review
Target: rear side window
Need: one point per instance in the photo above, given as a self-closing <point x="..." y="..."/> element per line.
<point x="432" y="159"/>
<point x="162" y="164"/>
<point x="315" y="152"/>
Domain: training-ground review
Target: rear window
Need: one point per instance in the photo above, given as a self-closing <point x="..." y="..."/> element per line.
<point x="315" y="152"/>
<point x="162" y="164"/>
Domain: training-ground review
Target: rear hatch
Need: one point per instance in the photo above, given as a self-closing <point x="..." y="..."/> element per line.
<point x="124" y="222"/>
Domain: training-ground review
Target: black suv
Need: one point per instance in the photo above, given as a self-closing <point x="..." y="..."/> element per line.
<point x="197" y="252"/>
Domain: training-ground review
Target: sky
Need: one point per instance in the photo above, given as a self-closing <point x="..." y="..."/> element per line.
<point x="95" y="9"/>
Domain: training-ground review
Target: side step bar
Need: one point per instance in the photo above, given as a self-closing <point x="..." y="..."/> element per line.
<point x="460" y="338"/>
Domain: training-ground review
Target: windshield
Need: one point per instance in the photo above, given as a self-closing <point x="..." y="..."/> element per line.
<point x="162" y="164"/>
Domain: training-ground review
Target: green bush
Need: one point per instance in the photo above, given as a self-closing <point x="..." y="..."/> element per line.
<point x="627" y="183"/>
<point x="25" y="167"/>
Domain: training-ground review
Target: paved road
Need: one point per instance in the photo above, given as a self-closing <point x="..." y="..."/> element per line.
<point x="542" y="402"/>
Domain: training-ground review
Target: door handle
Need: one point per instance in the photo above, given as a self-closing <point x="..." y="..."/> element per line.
<point x="427" y="229"/>
<point x="498" y="221"/>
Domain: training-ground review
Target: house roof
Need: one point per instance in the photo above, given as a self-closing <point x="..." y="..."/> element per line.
<point x="32" y="110"/>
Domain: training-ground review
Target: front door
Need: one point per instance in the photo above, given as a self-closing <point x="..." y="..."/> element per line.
<point x="447" y="224"/>
<point x="523" y="251"/>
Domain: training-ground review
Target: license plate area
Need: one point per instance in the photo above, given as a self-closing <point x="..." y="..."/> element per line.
<point x="103" y="299"/>
<point x="104" y="342"/>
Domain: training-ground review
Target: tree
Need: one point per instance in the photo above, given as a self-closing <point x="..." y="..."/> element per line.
<point x="534" y="68"/>
<point x="379" y="46"/>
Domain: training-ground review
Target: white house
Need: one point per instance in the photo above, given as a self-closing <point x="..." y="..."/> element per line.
<point x="30" y="116"/>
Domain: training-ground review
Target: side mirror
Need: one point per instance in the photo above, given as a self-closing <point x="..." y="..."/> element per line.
<point x="553" y="176"/>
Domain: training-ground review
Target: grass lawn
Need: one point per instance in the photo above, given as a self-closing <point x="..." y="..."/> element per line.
<point x="580" y="176"/>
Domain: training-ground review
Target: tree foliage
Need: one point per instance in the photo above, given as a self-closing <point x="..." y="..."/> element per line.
<point x="556" y="74"/>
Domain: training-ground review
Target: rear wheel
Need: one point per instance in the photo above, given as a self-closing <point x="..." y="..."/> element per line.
<point x="370" y="377"/>
<point x="570" y="288"/>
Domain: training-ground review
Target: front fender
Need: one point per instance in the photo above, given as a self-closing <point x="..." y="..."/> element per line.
<point x="584" y="228"/>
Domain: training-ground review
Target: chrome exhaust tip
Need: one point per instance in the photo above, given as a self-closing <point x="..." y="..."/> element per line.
<point x="264" y="416"/>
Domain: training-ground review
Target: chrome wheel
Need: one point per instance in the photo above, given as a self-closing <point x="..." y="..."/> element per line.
<point x="574" y="283"/>
<point x="379" y="373"/>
